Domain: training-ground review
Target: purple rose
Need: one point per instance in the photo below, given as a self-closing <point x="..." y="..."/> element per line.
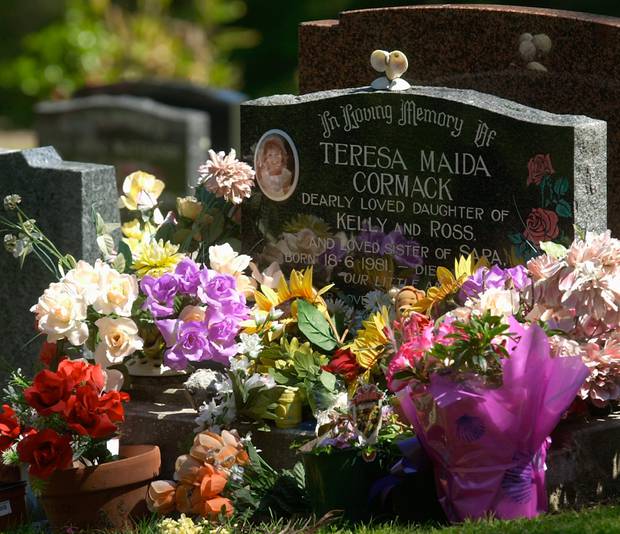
<point x="222" y="339"/>
<point x="160" y="293"/>
<point x="519" y="276"/>
<point x="495" y="277"/>
<point x="187" y="273"/>
<point x="192" y="344"/>
<point x="216" y="288"/>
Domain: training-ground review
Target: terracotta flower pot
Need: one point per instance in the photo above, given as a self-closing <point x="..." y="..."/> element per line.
<point x="106" y="496"/>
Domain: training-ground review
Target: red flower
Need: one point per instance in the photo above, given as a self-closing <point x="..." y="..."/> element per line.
<point x="110" y="404"/>
<point x="48" y="393"/>
<point x="9" y="427"/>
<point x="537" y="167"/>
<point x="83" y="414"/>
<point x="46" y="451"/>
<point x="344" y="364"/>
<point x="80" y="371"/>
<point x="541" y="225"/>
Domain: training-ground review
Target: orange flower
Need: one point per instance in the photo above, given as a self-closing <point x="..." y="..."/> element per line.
<point x="186" y="469"/>
<point x="213" y="482"/>
<point x="222" y="451"/>
<point x="213" y="507"/>
<point x="188" y="499"/>
<point x="160" y="497"/>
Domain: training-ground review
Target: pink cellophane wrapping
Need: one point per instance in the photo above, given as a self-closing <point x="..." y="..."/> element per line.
<point x="488" y="446"/>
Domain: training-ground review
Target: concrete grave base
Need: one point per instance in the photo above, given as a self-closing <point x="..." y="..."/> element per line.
<point x="172" y="429"/>
<point x="583" y="464"/>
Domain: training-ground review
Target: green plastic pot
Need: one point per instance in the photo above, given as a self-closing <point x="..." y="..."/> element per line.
<point x="340" y="480"/>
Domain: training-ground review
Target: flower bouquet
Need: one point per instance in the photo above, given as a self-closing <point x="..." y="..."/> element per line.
<point x="223" y="476"/>
<point x="489" y="362"/>
<point x="150" y="305"/>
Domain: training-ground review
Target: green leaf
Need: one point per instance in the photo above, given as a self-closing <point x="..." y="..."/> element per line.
<point x="314" y="326"/>
<point x="563" y="209"/>
<point x="328" y="380"/>
<point x="125" y="251"/>
<point x="560" y="187"/>
<point x="517" y="239"/>
<point x="106" y="245"/>
<point x="555" y="250"/>
<point x="215" y="229"/>
<point x="119" y="263"/>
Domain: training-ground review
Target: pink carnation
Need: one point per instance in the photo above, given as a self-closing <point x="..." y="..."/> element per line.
<point x="603" y="384"/>
<point x="227" y="177"/>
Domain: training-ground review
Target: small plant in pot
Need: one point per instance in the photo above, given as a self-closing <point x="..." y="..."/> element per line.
<point x="64" y="426"/>
<point x="356" y="445"/>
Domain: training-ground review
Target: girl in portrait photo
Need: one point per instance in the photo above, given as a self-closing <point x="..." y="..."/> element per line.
<point x="273" y="173"/>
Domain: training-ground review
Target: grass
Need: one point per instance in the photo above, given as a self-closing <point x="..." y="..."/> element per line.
<point x="597" y="520"/>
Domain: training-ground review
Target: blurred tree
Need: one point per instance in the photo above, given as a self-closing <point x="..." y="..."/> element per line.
<point x="103" y="41"/>
<point x="51" y="47"/>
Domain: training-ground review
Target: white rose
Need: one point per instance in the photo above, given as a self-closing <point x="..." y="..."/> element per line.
<point x="117" y="292"/>
<point x="500" y="302"/>
<point x="119" y="338"/>
<point x="61" y="312"/>
<point x="225" y="260"/>
<point x="86" y="278"/>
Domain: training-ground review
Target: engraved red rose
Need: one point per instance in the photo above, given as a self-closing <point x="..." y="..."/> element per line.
<point x="541" y="225"/>
<point x="537" y="167"/>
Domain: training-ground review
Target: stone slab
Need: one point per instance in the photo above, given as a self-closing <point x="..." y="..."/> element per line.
<point x="222" y="105"/>
<point x="61" y="196"/>
<point x="172" y="429"/>
<point x="130" y="133"/>
<point x="477" y="47"/>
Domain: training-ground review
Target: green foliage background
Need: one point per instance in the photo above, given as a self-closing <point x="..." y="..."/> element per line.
<point x="48" y="48"/>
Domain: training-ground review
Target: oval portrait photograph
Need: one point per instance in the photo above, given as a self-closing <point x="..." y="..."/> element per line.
<point x="277" y="165"/>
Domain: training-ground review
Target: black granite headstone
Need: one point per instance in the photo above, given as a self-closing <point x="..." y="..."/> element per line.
<point x="377" y="189"/>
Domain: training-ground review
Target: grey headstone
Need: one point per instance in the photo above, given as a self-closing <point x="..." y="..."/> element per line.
<point x="61" y="196"/>
<point x="445" y="168"/>
<point x="222" y="105"/>
<point x="130" y="133"/>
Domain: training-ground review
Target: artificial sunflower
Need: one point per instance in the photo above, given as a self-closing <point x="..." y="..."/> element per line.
<point x="299" y="287"/>
<point x="268" y="300"/>
<point x="449" y="283"/>
<point x="371" y="340"/>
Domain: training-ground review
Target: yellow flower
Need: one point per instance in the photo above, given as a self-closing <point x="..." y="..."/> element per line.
<point x="189" y="207"/>
<point x="141" y="191"/>
<point x="371" y="340"/>
<point x="299" y="286"/>
<point x="449" y="283"/>
<point x="135" y="233"/>
<point x="155" y="258"/>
